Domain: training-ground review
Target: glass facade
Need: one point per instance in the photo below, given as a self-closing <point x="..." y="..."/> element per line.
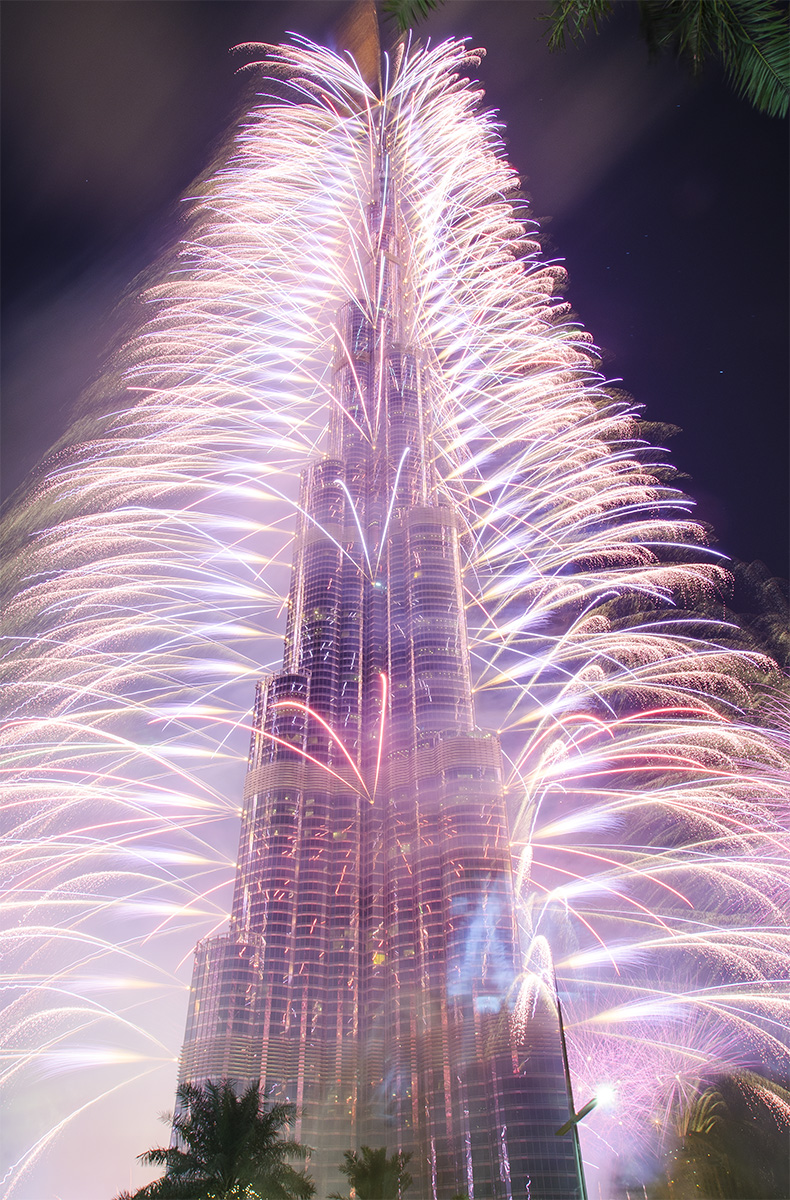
<point x="372" y="972"/>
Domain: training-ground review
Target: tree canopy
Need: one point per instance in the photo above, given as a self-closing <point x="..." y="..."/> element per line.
<point x="730" y="1142"/>
<point x="227" y="1147"/>
<point x="750" y="38"/>
<point x="373" y="1176"/>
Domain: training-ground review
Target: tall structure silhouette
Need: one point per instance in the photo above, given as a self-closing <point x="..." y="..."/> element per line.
<point x="372" y="967"/>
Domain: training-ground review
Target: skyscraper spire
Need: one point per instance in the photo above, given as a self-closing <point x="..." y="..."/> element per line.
<point x="358" y="35"/>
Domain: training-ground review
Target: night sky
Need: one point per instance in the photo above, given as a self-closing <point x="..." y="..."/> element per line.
<point x="666" y="198"/>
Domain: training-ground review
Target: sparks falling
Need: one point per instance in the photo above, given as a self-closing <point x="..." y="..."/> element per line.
<point x="146" y="569"/>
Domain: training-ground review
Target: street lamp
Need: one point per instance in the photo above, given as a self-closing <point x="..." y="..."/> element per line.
<point x="579" y="1116"/>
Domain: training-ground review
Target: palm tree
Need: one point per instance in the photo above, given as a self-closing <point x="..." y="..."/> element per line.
<point x="730" y="1142"/>
<point x="751" y="38"/>
<point x="228" y="1147"/>
<point x="373" y="1176"/>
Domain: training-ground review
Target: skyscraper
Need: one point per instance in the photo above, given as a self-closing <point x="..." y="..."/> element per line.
<point x="372" y="972"/>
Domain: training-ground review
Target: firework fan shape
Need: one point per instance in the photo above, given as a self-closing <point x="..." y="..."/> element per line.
<point x="146" y="565"/>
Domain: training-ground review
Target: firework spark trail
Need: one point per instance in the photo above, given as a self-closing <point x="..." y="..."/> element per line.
<point x="148" y="562"/>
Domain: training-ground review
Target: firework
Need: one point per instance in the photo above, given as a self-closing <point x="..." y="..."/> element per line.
<point x="146" y="570"/>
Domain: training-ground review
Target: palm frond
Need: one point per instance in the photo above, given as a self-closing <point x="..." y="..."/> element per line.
<point x="759" y="66"/>
<point x="573" y="19"/>
<point x="407" y="13"/>
<point x="751" y="38"/>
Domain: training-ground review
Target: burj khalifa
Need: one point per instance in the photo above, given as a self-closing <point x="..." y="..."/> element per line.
<point x="372" y="970"/>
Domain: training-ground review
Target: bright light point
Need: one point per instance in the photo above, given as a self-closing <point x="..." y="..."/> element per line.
<point x="606" y="1095"/>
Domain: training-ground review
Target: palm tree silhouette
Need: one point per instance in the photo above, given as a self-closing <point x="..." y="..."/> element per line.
<point x="373" y="1176"/>
<point x="227" y="1147"/>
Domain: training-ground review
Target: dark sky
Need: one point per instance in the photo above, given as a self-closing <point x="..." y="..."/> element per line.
<point x="666" y="198"/>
